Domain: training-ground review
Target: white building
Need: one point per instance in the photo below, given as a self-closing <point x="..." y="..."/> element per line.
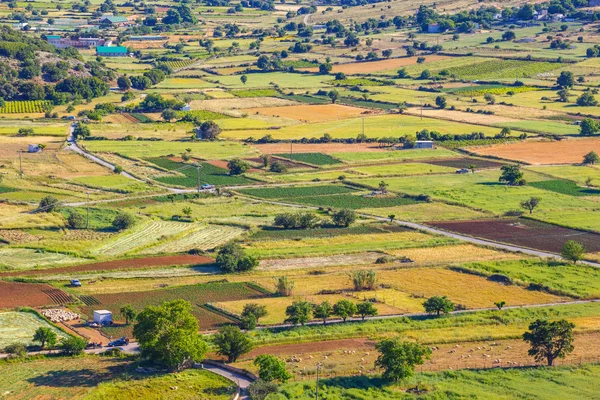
<point x="102" y="317"/>
<point x="423" y="144"/>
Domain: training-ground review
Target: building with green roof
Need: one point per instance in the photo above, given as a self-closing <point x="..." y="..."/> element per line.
<point x="111" y="51"/>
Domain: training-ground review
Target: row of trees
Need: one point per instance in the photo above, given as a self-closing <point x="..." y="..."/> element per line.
<point x="309" y="220"/>
<point x="300" y="311"/>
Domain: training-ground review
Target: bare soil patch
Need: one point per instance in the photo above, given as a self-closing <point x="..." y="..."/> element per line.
<point x="312" y="113"/>
<point x="313" y="262"/>
<point x="376" y="66"/>
<point x="326" y="148"/>
<point x="536" y="152"/>
<point x="522" y="232"/>
<point x="16" y="294"/>
<point x="134" y="263"/>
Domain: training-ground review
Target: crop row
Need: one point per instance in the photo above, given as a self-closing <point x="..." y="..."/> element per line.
<point x="145" y="235"/>
<point x="178" y="64"/>
<point x="27" y="106"/>
<point x="355" y="201"/>
<point x="495" y="69"/>
<point x="458" y="144"/>
<point x="293" y="192"/>
<point x="255" y="93"/>
<point x="493" y="89"/>
<point x="204" y="239"/>
<point x="202" y="115"/>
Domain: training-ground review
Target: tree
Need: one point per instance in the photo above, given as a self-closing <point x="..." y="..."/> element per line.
<point x="500" y="304"/>
<point x="129" y="313"/>
<point x="81" y="131"/>
<point x="208" y="130"/>
<point x="271" y="368"/>
<point x="73" y="346"/>
<point x="392" y="217"/>
<point x="259" y="389"/>
<point x="344" y="218"/>
<point x="565" y="79"/>
<point x="490" y="98"/>
<point x="438" y="304"/>
<point x="344" y="309"/>
<point x="591" y="158"/>
<point x="256" y="310"/>
<point x="168" y="115"/>
<point x="440" y="101"/>
<point x="563" y="95"/>
<point x="323" y="311"/>
<point x="398" y="359"/>
<point x="383" y="187"/>
<point x="168" y="335"/>
<point x="387" y="53"/>
<point x="48" y="204"/>
<point x="284" y="286"/>
<point x="124" y="83"/>
<point x="573" y="251"/>
<point x="333" y="95"/>
<point x="75" y="220"/>
<point x="232" y="258"/>
<point x="366" y="308"/>
<point x="237" y="166"/>
<point x="46" y="336"/>
<point x="325" y="68"/>
<point x="530" y="204"/>
<point x="549" y="340"/>
<point x="244" y="79"/>
<point x="299" y="312"/>
<point x="277" y="167"/>
<point x="232" y="343"/>
<point x="589" y="127"/>
<point x="123" y="221"/>
<point x="587" y="100"/>
<point x="512" y="175"/>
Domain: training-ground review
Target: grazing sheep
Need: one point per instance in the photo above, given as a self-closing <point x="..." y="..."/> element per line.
<point x="508" y="348"/>
<point x="452" y="351"/>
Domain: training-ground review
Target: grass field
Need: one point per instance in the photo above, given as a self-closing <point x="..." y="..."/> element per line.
<point x="355" y="201"/>
<point x="576" y="280"/>
<point x="16" y="258"/>
<point x="189" y="174"/>
<point x="404" y="169"/>
<point x="298" y="191"/>
<point x="206" y="238"/>
<point x="311" y="158"/>
<point x="573" y="383"/>
<point x="565" y="187"/>
<point x="393" y="155"/>
<point x="19" y="327"/>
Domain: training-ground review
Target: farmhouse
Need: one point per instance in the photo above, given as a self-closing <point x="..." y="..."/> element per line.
<point x="80" y="43"/>
<point x="111" y="51"/>
<point x="113" y="20"/>
<point x="423" y="144"/>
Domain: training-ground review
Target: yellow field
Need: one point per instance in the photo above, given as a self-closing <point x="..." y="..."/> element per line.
<point x="470" y="290"/>
<point x="453" y="254"/>
<point x="423" y="212"/>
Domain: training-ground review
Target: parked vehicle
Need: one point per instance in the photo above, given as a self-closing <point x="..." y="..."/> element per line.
<point x="75" y="283"/>
<point x="462" y="171"/>
<point x="119" y="342"/>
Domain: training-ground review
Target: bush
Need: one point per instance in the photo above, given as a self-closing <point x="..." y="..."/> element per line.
<point x="76" y="220"/>
<point x="73" y="345"/>
<point x="232" y="258"/>
<point x="123" y="221"/>
<point x="48" y="204"/>
<point x="16" y="350"/>
<point x="344" y="218"/>
<point x="260" y="389"/>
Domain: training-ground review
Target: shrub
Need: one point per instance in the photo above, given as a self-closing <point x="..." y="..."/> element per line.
<point x="48" y="204"/>
<point x="232" y="258"/>
<point x="123" y="221"/>
<point x="344" y="218"/>
<point x="75" y="220"/>
<point x="259" y="390"/>
<point x="16" y="350"/>
<point x="73" y="345"/>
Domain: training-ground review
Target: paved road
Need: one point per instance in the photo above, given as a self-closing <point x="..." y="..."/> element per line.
<point x="240" y="380"/>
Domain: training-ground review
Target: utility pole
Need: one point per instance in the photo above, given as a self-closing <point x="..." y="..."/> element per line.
<point x="317" y="387"/>
<point x="87" y="212"/>
<point x="20" y="165"/>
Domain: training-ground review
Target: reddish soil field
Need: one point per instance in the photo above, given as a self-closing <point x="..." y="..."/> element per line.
<point x="535" y="152"/>
<point x="522" y="232"/>
<point x="326" y="148"/>
<point x="146" y="262"/>
<point x="16" y="294"/>
<point x="464" y="162"/>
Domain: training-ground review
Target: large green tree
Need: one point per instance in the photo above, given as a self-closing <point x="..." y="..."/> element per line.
<point x="168" y="334"/>
<point x="398" y="359"/>
<point x="46" y="336"/>
<point x="299" y="312"/>
<point x="232" y="342"/>
<point x="550" y="340"/>
<point x="438" y="304"/>
<point x="271" y="368"/>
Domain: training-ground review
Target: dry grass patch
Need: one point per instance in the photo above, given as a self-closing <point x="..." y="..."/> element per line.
<point x="220" y="105"/>
<point x="543" y="152"/>
<point x="454" y="254"/>
<point x="312" y="113"/>
<point x="469" y="290"/>
<point x="329" y="148"/>
<point x="376" y="66"/>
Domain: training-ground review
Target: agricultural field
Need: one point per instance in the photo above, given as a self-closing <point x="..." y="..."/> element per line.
<point x="358" y="150"/>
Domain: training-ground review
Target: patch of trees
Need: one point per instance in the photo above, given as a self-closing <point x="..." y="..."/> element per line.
<point x="300" y="311"/>
<point x="232" y="258"/>
<point x="154" y="102"/>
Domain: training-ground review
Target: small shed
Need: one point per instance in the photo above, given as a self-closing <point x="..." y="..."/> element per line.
<point x="102" y="317"/>
<point x="424" y="144"/>
<point x="34" y="148"/>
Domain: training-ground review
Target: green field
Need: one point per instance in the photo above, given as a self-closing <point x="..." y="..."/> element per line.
<point x="572" y="383"/>
<point x="576" y="280"/>
<point x="190" y="175"/>
<point x="565" y="187"/>
<point x="300" y="191"/>
<point x="355" y="201"/>
<point x="311" y="158"/>
<point x="394" y="155"/>
<point x="19" y="327"/>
